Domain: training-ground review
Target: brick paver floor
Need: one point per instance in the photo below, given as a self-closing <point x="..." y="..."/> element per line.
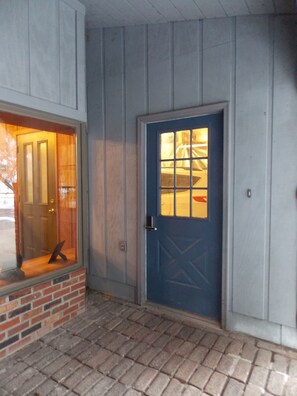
<point x="118" y="348"/>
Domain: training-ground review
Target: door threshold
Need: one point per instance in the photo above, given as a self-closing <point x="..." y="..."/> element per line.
<point x="185" y="317"/>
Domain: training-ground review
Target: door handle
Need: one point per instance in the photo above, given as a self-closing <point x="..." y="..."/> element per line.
<point x="52" y="211"/>
<point x="150" y="224"/>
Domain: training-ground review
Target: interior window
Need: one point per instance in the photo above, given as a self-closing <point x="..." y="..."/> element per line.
<point x="38" y="197"/>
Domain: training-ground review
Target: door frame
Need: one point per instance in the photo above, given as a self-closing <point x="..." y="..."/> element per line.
<point x="142" y="128"/>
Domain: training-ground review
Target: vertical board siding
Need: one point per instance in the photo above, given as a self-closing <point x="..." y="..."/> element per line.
<point x="96" y="134"/>
<point x="81" y="62"/>
<point x="251" y="152"/>
<point x="44" y="49"/>
<point x="14" y="44"/>
<point x="159" y="68"/>
<point x="114" y="145"/>
<point x="42" y="63"/>
<point x="218" y="50"/>
<point x="282" y="302"/>
<point x="67" y="56"/>
<point x="186" y="64"/>
<point x="135" y="104"/>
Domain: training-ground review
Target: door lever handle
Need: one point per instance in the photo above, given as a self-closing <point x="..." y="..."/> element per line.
<point x="150" y="224"/>
<point x="150" y="228"/>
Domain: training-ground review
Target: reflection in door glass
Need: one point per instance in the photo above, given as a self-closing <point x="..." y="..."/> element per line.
<point x="167" y="202"/>
<point x="184" y="172"/>
<point x="183" y="203"/>
<point x="183" y="144"/>
<point x="167" y="145"/>
<point x="199" y="203"/>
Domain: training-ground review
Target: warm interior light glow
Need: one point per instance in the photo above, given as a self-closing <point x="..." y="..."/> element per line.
<point x="38" y="196"/>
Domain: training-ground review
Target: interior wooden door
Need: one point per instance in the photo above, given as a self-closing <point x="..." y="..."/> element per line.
<point x="37" y="192"/>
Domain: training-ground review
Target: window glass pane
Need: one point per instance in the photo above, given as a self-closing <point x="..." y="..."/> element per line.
<point x="199" y="204"/>
<point x="200" y="142"/>
<point x="38" y="197"/>
<point x="183" y="173"/>
<point x="43" y="172"/>
<point x="183" y="203"/>
<point x="167" y="202"/>
<point x="28" y="157"/>
<point x="183" y="144"/>
<point x="199" y="174"/>
<point x="167" y="145"/>
<point x="167" y="175"/>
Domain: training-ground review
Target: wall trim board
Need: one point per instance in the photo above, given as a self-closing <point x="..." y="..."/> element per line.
<point x="30" y="102"/>
<point x="142" y="123"/>
<point x="115" y="289"/>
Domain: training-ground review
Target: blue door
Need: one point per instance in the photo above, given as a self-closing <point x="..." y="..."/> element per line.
<point x="184" y="214"/>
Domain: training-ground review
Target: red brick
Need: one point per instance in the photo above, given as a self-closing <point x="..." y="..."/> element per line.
<point x="18" y="328"/>
<point x="82" y="291"/>
<point x="9" y="306"/>
<point x="3" y="353"/>
<point x="69" y="282"/>
<point x="9" y="324"/>
<point x="62" y="292"/>
<point x="80" y="285"/>
<point x="77" y="300"/>
<point x="19" y="344"/>
<point x="2" y="300"/>
<point x="82" y="278"/>
<point x="42" y="301"/>
<point x="61" y="321"/>
<point x="19" y="294"/>
<point x="71" y="309"/>
<point x="2" y="336"/>
<point x="70" y="295"/>
<point x="42" y="286"/>
<point x="60" y="308"/>
<point x="31" y="313"/>
<point x="52" y="318"/>
<point x="78" y="272"/>
<point x="31" y="297"/>
<point x="52" y="289"/>
<point x="40" y="318"/>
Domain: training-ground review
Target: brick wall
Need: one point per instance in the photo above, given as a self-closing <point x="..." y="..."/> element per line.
<point x="30" y="313"/>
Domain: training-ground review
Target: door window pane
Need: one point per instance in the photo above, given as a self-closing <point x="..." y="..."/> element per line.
<point x="200" y="142"/>
<point x="28" y="157"/>
<point x="167" y="145"/>
<point x="183" y="174"/>
<point x="183" y="144"/>
<point x="167" y="202"/>
<point x="199" y="203"/>
<point x="182" y="203"/>
<point x="167" y="175"/>
<point x="43" y="172"/>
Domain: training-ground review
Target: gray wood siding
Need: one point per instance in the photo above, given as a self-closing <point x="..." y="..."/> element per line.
<point x="42" y="63"/>
<point x="247" y="61"/>
<point x="252" y="159"/>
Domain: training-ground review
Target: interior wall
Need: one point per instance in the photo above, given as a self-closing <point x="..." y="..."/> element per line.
<point x="249" y="62"/>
